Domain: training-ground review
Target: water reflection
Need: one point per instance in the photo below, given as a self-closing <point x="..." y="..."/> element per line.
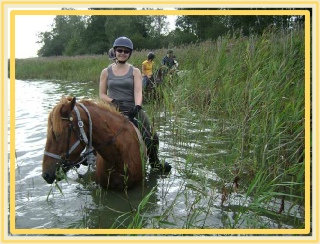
<point x="84" y="205"/>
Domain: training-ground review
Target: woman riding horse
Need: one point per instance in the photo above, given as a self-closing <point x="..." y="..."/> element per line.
<point x="121" y="85"/>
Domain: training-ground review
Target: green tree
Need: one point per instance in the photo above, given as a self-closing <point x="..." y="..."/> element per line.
<point x="204" y="27"/>
<point x="134" y="27"/>
<point x="77" y="35"/>
<point x="96" y="38"/>
<point x="158" y="26"/>
<point x="66" y="28"/>
<point x="178" y="37"/>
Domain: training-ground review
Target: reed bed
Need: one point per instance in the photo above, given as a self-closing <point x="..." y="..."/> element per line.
<point x="256" y="87"/>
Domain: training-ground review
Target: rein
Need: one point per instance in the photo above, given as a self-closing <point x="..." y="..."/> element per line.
<point x="64" y="159"/>
<point x="112" y="140"/>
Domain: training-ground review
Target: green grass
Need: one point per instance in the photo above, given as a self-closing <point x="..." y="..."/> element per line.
<point x="254" y="85"/>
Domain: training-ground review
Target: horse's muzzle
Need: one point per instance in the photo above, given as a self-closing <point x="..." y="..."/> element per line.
<point x="48" y="178"/>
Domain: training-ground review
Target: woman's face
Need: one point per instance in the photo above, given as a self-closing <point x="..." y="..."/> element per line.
<point x="122" y="53"/>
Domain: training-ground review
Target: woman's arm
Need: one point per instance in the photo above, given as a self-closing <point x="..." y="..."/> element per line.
<point x="137" y="83"/>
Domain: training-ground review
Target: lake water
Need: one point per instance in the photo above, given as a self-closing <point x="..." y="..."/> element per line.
<point x="81" y="204"/>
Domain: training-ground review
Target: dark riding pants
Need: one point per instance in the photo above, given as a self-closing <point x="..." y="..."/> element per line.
<point x="150" y="137"/>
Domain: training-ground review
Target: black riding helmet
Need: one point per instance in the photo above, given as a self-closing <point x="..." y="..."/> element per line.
<point x="123" y="42"/>
<point x="151" y="55"/>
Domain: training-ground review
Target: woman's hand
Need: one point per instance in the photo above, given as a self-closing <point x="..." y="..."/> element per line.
<point x="115" y="103"/>
<point x="134" y="111"/>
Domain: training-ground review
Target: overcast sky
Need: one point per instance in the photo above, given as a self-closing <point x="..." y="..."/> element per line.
<point x="27" y="29"/>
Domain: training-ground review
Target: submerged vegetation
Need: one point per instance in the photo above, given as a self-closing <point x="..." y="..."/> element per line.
<point x="256" y="87"/>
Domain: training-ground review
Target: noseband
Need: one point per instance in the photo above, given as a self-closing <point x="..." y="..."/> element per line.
<point x="64" y="159"/>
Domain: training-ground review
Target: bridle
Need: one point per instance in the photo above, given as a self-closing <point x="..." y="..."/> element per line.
<point x="63" y="160"/>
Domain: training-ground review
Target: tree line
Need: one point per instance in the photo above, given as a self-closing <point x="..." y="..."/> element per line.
<point x="73" y="35"/>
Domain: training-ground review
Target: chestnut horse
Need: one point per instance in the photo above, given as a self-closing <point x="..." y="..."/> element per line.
<point x="72" y="126"/>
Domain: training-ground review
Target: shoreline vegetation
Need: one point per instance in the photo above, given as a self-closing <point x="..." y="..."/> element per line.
<point x="255" y="85"/>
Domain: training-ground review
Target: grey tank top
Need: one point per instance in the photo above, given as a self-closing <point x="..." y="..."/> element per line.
<point x="121" y="87"/>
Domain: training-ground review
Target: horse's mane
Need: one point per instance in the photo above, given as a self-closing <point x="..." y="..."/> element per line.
<point x="55" y="121"/>
<point x="100" y="104"/>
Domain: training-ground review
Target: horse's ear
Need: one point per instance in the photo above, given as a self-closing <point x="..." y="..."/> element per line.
<point x="67" y="108"/>
<point x="73" y="103"/>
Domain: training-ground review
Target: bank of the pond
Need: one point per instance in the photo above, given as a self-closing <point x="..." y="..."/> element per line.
<point x="255" y="84"/>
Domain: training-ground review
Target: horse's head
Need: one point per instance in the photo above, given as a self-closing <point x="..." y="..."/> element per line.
<point x="63" y="146"/>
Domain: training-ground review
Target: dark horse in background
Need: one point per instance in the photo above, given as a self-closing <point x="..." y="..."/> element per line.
<point x="151" y="91"/>
<point x="72" y="126"/>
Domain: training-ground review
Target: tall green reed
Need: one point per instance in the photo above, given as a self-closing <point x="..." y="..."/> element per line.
<point x="254" y="85"/>
<point x="257" y="88"/>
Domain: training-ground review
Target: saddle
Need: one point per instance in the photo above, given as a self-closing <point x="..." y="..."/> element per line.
<point x="143" y="147"/>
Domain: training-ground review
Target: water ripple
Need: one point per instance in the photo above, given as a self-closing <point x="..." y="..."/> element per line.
<point x="83" y="204"/>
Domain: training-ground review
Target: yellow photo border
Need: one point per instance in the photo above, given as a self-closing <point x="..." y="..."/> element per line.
<point x="247" y="4"/>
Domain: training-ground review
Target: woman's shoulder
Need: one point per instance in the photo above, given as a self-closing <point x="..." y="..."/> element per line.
<point x="135" y="69"/>
<point x="105" y="70"/>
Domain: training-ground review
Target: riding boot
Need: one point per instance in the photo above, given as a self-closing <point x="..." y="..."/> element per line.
<point x="155" y="162"/>
<point x="152" y="145"/>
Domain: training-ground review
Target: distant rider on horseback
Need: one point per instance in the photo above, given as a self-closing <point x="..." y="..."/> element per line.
<point x="169" y="62"/>
<point x="147" y="69"/>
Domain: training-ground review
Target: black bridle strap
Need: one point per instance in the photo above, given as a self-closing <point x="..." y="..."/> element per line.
<point x="112" y="140"/>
